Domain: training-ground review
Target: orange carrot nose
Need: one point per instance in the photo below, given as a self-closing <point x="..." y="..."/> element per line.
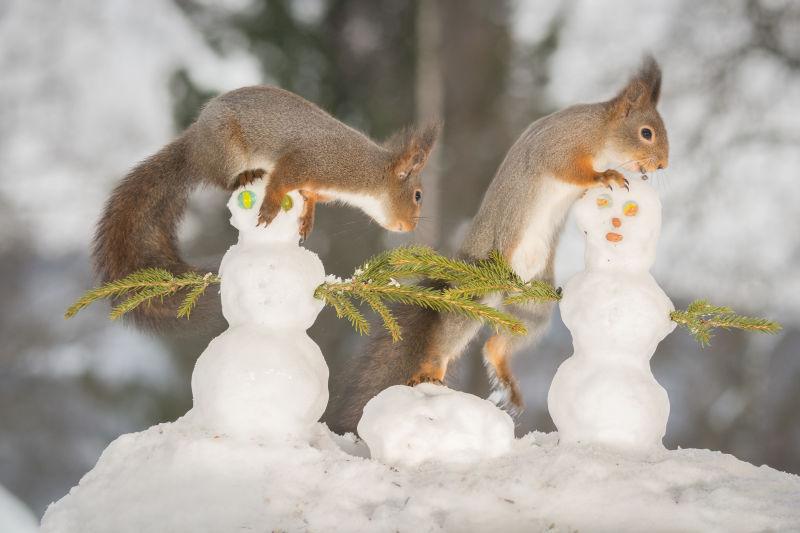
<point x="616" y="222"/>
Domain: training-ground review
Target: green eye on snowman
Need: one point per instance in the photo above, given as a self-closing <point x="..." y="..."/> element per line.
<point x="246" y="199"/>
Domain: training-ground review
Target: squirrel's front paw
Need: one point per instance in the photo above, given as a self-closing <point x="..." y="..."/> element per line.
<point x="609" y="176"/>
<point x="267" y="214"/>
<point x="423" y="378"/>
<point x="246" y="177"/>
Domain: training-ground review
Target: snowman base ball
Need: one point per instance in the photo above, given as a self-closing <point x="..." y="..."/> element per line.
<point x="618" y="407"/>
<point x="252" y="383"/>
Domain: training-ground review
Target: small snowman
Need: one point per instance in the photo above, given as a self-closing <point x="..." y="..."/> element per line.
<point x="264" y="378"/>
<point x="605" y="393"/>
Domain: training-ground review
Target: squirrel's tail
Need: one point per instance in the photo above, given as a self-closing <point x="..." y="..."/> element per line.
<point x="384" y="364"/>
<point x="138" y="230"/>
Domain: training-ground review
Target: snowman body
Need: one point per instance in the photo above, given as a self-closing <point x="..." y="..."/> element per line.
<point x="605" y="393"/>
<point x="264" y="378"/>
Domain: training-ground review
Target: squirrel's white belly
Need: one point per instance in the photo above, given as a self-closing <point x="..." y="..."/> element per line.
<point x="550" y="207"/>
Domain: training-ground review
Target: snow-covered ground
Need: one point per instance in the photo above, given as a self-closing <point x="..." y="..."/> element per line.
<point x="174" y="478"/>
<point x="250" y="455"/>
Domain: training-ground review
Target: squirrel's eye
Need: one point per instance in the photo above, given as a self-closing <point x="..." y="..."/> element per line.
<point x="647" y="133"/>
<point x="418" y="196"/>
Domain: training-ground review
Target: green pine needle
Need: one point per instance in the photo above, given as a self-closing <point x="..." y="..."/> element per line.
<point x="194" y="294"/>
<point x="142" y="287"/>
<point x="700" y="318"/>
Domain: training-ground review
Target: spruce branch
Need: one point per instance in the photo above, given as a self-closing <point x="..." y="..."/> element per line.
<point x="374" y="294"/>
<point x="343" y="306"/>
<point x="374" y="284"/>
<point x="142" y="287"/>
<point x="195" y="293"/>
<point x="471" y="279"/>
<point x="701" y="317"/>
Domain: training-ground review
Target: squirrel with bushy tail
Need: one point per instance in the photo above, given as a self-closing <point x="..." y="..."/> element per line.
<point x="241" y="136"/>
<point x="548" y="168"/>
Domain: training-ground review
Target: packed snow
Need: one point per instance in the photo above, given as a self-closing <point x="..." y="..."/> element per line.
<point x="174" y="478"/>
<point x="617" y="314"/>
<point x="405" y="425"/>
<point x="250" y="455"/>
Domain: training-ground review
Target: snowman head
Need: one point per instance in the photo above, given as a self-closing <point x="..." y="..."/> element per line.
<point x="244" y="205"/>
<point x="621" y="226"/>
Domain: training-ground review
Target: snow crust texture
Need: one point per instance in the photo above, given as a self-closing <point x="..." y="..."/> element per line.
<point x="174" y="478"/>
<point x="263" y="377"/>
<point x="605" y="392"/>
<point x="405" y="425"/>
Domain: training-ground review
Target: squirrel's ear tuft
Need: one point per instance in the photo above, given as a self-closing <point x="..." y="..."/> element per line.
<point x="650" y="74"/>
<point x="643" y="89"/>
<point x="411" y="148"/>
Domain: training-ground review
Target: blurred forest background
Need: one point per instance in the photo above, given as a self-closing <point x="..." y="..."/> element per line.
<point x="88" y="88"/>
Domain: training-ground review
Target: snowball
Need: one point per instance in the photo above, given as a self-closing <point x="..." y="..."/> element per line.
<point x="609" y="403"/>
<point x="625" y="314"/>
<point x="405" y="425"/>
<point x="252" y="383"/>
<point x="617" y="314"/>
<point x="271" y="286"/>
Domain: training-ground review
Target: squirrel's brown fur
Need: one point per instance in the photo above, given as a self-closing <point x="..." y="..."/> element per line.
<point x="238" y="137"/>
<point x="522" y="213"/>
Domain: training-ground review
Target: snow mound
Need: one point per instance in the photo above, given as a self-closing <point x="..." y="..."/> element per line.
<point x="175" y="478"/>
<point x="404" y="425"/>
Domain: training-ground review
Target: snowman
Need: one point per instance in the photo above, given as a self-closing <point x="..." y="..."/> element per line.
<point x="605" y="393"/>
<point x="264" y="378"/>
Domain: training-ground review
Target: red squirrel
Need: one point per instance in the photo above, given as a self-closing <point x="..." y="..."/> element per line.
<point x="240" y="136"/>
<point x="549" y="167"/>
